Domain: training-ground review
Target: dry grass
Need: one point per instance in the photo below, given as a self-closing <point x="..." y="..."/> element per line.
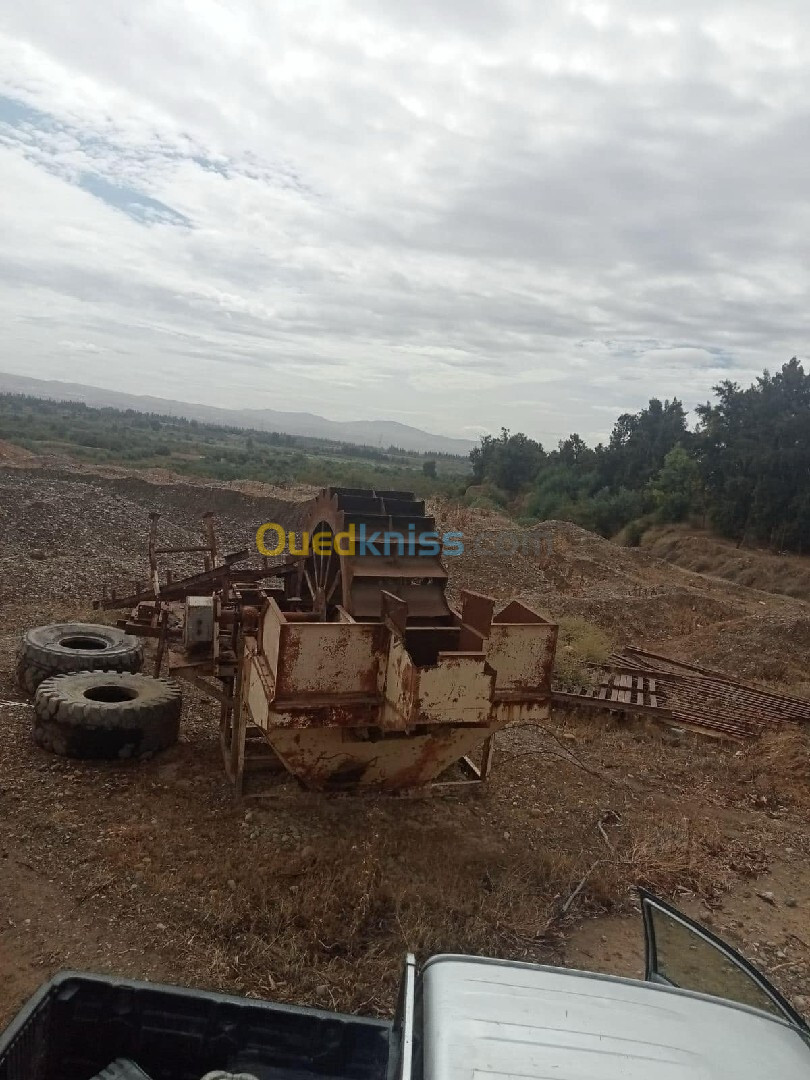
<point x="455" y="516"/>
<point x="671" y="855"/>
<point x="754" y="568"/>
<point x="581" y="648"/>
<point x="317" y="900"/>
<point x="778" y="767"/>
<point x="331" y="926"/>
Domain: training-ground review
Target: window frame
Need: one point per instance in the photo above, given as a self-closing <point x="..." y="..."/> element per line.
<point x="651" y="903"/>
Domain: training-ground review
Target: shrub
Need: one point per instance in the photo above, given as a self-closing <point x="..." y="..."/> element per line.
<point x="581" y="649"/>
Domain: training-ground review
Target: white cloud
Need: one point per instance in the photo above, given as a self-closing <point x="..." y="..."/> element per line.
<point x="456" y="215"/>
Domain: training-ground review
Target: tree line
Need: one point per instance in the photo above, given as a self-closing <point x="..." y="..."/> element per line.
<point x="199" y="448"/>
<point x="743" y="471"/>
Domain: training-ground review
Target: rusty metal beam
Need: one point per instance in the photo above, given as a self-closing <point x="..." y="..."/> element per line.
<point x="688" y="695"/>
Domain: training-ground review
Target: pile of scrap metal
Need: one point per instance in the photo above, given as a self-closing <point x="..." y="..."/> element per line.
<point x="347" y="670"/>
<point x="684" y="695"/>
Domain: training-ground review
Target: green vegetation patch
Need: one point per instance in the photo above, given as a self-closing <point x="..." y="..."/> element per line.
<point x="193" y="448"/>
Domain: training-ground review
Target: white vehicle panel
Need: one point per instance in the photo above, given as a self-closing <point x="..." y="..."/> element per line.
<point x="488" y="1019"/>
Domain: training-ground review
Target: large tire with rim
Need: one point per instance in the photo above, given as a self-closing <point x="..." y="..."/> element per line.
<point x="106" y="715"/>
<point x="65" y="647"/>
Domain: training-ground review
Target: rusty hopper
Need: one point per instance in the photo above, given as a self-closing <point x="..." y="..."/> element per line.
<point x="356" y="671"/>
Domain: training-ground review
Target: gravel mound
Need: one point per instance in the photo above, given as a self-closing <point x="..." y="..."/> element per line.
<point x="65" y="533"/>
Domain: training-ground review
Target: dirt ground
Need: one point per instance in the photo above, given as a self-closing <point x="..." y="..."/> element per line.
<point x="695" y="549"/>
<point x="151" y="869"/>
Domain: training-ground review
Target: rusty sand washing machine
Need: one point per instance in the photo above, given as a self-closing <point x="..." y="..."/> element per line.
<point x="347" y="670"/>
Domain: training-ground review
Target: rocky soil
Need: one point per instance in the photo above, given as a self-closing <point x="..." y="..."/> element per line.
<point x="151" y="870"/>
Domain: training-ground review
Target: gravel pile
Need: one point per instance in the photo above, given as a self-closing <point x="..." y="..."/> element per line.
<point x="66" y="533"/>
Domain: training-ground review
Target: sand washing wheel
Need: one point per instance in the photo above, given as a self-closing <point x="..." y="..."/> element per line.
<point x="392" y="552"/>
<point x="362" y="675"/>
<point x="345" y="665"/>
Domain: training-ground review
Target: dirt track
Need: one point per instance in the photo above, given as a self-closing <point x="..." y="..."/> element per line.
<point x="151" y="870"/>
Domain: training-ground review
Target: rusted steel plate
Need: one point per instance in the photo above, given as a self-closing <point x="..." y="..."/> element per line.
<point x="328" y="658"/>
<point x="458" y="689"/>
<point x="522" y="655"/>
<point x="257" y="688"/>
<point x="329" y="759"/>
<point x="362" y="713"/>
<point x="522" y="712"/>
<point x="477" y="611"/>
<point x="398" y="688"/>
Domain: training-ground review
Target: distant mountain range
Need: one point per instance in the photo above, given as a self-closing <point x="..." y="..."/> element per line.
<point x="360" y="432"/>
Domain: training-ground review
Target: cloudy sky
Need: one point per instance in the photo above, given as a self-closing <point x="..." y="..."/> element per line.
<point x="459" y="214"/>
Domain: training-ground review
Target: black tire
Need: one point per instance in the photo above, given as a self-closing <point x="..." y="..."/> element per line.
<point x="106" y="715"/>
<point x="29" y="675"/>
<point x="65" y="647"/>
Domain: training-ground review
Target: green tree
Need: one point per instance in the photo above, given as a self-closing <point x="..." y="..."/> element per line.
<point x="640" y="442"/>
<point x="509" y="462"/>
<point x="574" y="451"/>
<point x="677" y="487"/>
<point x="754" y="447"/>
